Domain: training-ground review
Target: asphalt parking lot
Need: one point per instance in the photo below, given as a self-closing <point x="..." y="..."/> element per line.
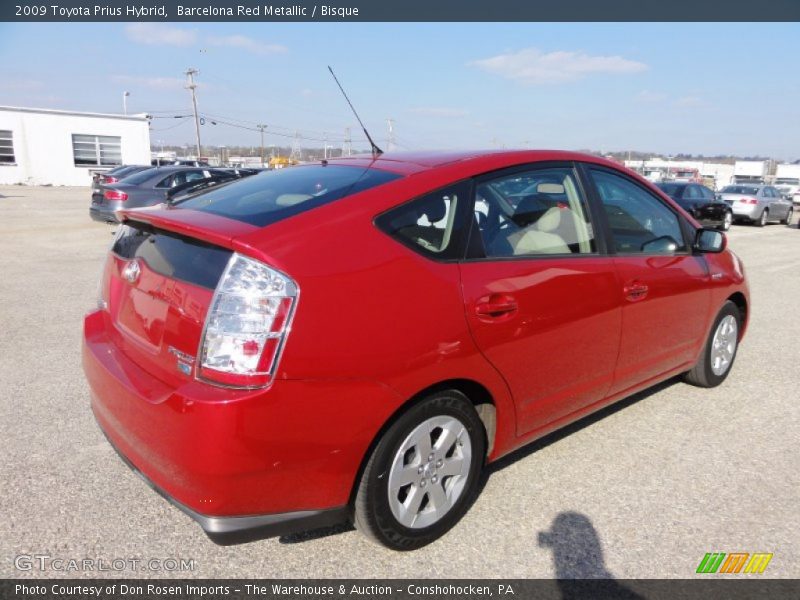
<point x="643" y="489"/>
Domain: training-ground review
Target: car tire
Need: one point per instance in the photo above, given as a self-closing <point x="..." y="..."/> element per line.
<point x="762" y="220"/>
<point x="719" y="351"/>
<point x="403" y="500"/>
<point x="727" y="221"/>
<point x="788" y="219"/>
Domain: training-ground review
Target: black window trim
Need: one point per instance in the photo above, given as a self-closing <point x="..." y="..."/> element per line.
<point x="599" y="237"/>
<point x="687" y="230"/>
<point x="151" y="231"/>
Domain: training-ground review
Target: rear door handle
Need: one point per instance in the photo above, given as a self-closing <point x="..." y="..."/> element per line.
<point x="635" y="291"/>
<point x="496" y="306"/>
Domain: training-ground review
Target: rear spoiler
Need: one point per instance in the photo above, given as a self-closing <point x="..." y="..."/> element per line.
<point x="193" y="223"/>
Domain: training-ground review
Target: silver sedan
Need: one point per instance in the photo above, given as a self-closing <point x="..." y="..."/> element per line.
<point x="757" y="203"/>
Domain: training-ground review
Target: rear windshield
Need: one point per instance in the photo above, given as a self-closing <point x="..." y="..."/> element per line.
<point x="671" y="189"/>
<point x="140" y="177"/>
<point x="740" y="189"/>
<point x="269" y="197"/>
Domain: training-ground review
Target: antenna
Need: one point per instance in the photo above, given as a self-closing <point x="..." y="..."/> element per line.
<point x="375" y="150"/>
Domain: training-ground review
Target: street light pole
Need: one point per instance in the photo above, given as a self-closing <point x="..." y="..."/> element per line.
<point x="125" y="101"/>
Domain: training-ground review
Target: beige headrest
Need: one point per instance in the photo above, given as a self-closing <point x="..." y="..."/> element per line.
<point x="550" y="188"/>
<point x="550" y="220"/>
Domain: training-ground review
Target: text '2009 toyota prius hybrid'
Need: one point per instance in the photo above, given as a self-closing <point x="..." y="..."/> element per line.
<point x="357" y="338"/>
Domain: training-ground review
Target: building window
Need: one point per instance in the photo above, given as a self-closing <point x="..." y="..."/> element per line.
<point x="96" y="150"/>
<point x="6" y="148"/>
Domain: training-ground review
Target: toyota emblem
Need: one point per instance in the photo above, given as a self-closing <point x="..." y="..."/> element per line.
<point x="131" y="271"/>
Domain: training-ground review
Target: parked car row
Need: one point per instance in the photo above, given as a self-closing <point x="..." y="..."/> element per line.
<point x="137" y="186"/>
<point x="753" y="203"/>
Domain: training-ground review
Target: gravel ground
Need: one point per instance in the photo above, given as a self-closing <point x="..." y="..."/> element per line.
<point x="644" y="489"/>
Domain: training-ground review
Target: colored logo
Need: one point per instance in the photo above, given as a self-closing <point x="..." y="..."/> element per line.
<point x="734" y="562"/>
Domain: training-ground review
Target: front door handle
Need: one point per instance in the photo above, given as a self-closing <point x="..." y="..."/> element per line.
<point x="496" y="306"/>
<point x="635" y="291"/>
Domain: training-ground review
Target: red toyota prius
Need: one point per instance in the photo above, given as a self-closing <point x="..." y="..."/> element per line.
<point x="358" y="338"/>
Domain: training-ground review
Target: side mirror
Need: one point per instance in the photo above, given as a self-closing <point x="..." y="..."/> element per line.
<point x="710" y="240"/>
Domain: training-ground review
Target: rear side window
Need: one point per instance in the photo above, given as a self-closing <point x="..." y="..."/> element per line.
<point x="429" y="224"/>
<point x="275" y="195"/>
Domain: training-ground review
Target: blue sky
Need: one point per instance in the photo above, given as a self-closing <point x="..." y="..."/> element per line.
<point x="692" y="88"/>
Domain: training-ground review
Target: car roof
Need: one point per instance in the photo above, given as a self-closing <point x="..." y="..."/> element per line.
<point x="407" y="163"/>
<point x="168" y="168"/>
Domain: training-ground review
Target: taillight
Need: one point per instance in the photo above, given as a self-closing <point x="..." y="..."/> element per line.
<point x="247" y="324"/>
<point x="115" y="195"/>
<point x="109" y="179"/>
<point x="750" y="201"/>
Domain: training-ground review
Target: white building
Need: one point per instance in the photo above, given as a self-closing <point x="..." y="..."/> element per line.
<point x="717" y="175"/>
<point x="59" y="147"/>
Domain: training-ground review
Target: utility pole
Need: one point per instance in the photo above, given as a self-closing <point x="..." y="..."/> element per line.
<point x="346" y="147"/>
<point x="325" y="147"/>
<point x="296" y="152"/>
<point x="390" y="140"/>
<point x="192" y="86"/>
<point x="262" y="128"/>
<point x="125" y="101"/>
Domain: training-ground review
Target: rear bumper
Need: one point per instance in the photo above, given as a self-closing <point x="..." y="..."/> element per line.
<point x="102" y="213"/>
<point x="711" y="221"/>
<point x="265" y="461"/>
<point x="748" y="211"/>
<point x="712" y="215"/>
<point x="236" y="530"/>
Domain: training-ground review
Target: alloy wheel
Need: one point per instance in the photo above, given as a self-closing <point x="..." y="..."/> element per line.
<point x="727" y="222"/>
<point x="429" y="471"/>
<point x="723" y="346"/>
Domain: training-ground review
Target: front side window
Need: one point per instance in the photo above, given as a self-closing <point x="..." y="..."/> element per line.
<point x="7" y="147"/>
<point x="96" y="150"/>
<point x="640" y="223"/>
<point x="428" y="224"/>
<point x="533" y="213"/>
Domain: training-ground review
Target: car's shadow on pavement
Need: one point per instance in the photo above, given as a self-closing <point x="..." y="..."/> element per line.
<point x="305" y="536"/>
